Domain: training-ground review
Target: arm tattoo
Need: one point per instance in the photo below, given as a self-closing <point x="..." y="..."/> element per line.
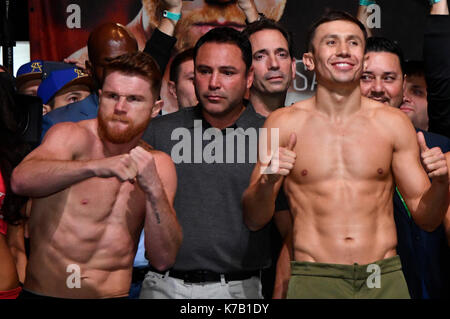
<point x="155" y="210"/>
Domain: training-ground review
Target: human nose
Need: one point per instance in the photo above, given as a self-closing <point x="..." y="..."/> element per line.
<point x="343" y="49"/>
<point x="273" y="62"/>
<point x="377" y="87"/>
<point x="121" y="105"/>
<point x="407" y="97"/>
<point x="214" y="81"/>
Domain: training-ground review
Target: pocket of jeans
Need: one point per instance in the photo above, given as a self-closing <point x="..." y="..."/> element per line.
<point x="152" y="278"/>
<point x="245" y="289"/>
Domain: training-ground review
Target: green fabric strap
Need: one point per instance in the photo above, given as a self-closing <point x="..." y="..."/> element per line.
<point x="403" y="201"/>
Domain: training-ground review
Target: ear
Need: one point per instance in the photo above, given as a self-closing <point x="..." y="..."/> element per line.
<point x="157" y="108"/>
<point x="293" y="68"/>
<point x="250" y="76"/>
<point x="46" y="108"/>
<point x="308" y="61"/>
<point x="172" y="89"/>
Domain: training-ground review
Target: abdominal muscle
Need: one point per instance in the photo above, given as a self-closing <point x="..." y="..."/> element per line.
<point x="342" y="222"/>
<point x="81" y="246"/>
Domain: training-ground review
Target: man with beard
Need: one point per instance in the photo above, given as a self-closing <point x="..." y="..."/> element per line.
<point x="94" y="186"/>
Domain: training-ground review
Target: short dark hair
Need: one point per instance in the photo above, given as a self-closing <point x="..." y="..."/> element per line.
<point x="414" y="68"/>
<point x="329" y="16"/>
<point x="227" y="35"/>
<point x="381" y="44"/>
<point x="139" y="63"/>
<point x="180" y="58"/>
<point x="269" y="24"/>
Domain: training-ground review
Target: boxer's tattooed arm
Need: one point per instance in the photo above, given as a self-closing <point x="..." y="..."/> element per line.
<point x="155" y="209"/>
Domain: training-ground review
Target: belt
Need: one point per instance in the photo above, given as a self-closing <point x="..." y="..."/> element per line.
<point x="201" y="275"/>
<point x="139" y="274"/>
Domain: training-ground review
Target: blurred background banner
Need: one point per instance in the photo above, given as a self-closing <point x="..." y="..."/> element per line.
<point x="60" y="29"/>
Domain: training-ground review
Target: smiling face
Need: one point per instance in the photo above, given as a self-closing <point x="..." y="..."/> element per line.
<point x="382" y="79"/>
<point x="199" y="16"/>
<point x="338" y="52"/>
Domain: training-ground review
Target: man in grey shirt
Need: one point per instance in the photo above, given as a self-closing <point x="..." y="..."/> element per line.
<point x="214" y="150"/>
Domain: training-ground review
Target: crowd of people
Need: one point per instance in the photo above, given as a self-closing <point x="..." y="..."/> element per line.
<point x="228" y="192"/>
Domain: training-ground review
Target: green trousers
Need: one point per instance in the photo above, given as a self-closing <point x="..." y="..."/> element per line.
<point x="381" y="279"/>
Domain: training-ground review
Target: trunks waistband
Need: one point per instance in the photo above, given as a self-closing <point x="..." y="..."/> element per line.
<point x="10" y="294"/>
<point x="342" y="271"/>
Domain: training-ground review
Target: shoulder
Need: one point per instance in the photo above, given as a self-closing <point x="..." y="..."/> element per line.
<point x="293" y="113"/>
<point x="67" y="140"/>
<point x="160" y="128"/>
<point x="66" y="132"/>
<point x="390" y="117"/>
<point x="392" y="123"/>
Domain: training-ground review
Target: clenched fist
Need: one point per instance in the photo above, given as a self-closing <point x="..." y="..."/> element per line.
<point x="147" y="174"/>
<point x="282" y="161"/>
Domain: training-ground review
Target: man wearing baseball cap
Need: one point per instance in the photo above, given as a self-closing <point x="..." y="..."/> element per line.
<point x="28" y="77"/>
<point x="63" y="87"/>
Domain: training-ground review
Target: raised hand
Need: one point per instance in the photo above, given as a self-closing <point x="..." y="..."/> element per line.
<point x="282" y="161"/>
<point x="147" y="174"/>
<point x="78" y="63"/>
<point x="249" y="9"/>
<point x="121" y="166"/>
<point x="433" y="160"/>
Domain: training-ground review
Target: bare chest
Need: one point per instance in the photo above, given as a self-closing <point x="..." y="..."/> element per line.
<point x="107" y="199"/>
<point x="353" y="151"/>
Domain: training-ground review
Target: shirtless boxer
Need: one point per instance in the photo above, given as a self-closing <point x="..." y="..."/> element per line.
<point x="340" y="185"/>
<point x="94" y="188"/>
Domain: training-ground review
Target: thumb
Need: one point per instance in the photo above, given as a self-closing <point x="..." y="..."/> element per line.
<point x="421" y="140"/>
<point x="292" y="141"/>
